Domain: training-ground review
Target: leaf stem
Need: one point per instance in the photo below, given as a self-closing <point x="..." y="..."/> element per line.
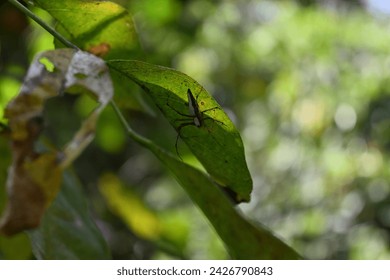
<point x="132" y="134"/>
<point x="43" y="24"/>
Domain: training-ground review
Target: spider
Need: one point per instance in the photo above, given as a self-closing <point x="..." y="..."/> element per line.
<point x="195" y="114"/>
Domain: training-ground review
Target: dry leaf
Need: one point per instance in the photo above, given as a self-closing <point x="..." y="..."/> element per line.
<point x="34" y="179"/>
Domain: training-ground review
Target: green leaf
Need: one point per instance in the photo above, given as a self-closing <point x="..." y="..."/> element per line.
<point x="67" y="229"/>
<point x="16" y="247"/>
<point x="242" y="239"/>
<point x="216" y="142"/>
<point x="101" y="27"/>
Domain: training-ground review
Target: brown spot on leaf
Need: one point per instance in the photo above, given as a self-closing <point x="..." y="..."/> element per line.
<point x="100" y="50"/>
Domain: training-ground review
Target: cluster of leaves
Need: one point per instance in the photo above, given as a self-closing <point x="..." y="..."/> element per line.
<point x="105" y="29"/>
<point x="312" y="106"/>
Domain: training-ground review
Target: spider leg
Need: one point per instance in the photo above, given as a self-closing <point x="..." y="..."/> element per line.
<point x="209" y="129"/>
<point x="210" y="118"/>
<point x="197" y="118"/>
<point x="176" y="147"/>
<point x="214" y="120"/>
<point x="179" y="135"/>
<point x="211" y="109"/>
<point x="180" y="113"/>
<point x="182" y="125"/>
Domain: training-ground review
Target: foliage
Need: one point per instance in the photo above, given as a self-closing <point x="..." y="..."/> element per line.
<point x="34" y="177"/>
<point x="309" y="90"/>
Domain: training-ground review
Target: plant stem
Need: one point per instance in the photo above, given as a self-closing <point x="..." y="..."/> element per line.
<point x="43" y="24"/>
<point x="132" y="134"/>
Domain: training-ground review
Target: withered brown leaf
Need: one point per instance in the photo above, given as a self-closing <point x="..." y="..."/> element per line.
<point x="34" y="179"/>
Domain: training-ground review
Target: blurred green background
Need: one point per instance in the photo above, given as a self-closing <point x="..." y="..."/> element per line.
<point x="307" y="84"/>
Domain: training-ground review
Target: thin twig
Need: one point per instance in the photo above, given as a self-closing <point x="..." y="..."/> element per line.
<point x="135" y="136"/>
<point x="43" y="24"/>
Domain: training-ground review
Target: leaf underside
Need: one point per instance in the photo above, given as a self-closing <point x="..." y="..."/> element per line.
<point x="217" y="143"/>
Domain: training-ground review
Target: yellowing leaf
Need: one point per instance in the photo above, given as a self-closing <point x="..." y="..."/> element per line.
<point x="45" y="171"/>
<point x="34" y="178"/>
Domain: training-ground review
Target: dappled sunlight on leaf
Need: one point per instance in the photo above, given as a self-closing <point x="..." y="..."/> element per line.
<point x="102" y="27"/>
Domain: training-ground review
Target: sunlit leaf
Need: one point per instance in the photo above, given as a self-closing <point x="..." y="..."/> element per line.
<point x="34" y="178"/>
<point x="101" y="27"/>
<point x="215" y="141"/>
